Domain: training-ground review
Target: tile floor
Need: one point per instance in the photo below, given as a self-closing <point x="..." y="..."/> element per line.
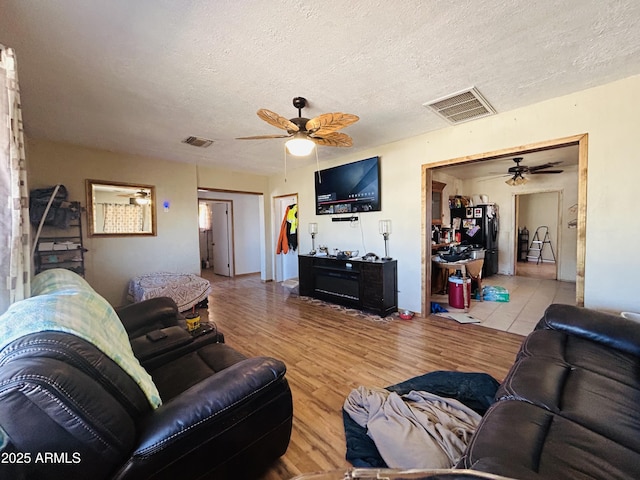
<point x="528" y="299"/>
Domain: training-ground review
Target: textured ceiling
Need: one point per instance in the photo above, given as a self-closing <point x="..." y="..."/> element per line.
<point x="140" y="76"/>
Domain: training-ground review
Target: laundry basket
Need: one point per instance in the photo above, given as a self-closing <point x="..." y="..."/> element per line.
<point x="291" y="286"/>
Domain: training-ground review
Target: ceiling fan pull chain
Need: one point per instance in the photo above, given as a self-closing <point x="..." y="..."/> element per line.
<point x="285" y="162"/>
<point x="318" y="166"/>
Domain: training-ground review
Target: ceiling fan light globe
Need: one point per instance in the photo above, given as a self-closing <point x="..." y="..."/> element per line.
<point x="300" y="146"/>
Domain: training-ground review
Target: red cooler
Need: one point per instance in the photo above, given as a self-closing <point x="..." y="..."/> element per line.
<point x="459" y="292"/>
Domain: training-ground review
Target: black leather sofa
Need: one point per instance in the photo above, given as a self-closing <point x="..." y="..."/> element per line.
<point x="69" y="411"/>
<point x="568" y="408"/>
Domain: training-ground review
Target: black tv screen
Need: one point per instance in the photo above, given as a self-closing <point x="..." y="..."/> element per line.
<point x="350" y="188"/>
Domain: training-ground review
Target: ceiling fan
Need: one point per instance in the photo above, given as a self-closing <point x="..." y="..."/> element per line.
<point x="519" y="170"/>
<point x="305" y="134"/>
<point x="140" y="197"/>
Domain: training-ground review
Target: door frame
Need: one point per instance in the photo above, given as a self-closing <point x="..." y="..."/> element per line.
<point x="557" y="233"/>
<point x="230" y="232"/>
<point x="427" y="176"/>
<point x="277" y="223"/>
<point x="262" y="227"/>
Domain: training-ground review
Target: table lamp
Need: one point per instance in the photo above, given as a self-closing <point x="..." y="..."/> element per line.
<point x="384" y="227"/>
<point x="313" y="230"/>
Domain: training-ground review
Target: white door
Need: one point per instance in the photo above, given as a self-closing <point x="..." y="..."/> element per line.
<point x="220" y="232"/>
<point x="286" y="264"/>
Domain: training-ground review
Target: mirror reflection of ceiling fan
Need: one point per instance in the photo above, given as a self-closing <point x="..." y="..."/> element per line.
<point x="140" y="197"/>
<point x="516" y="173"/>
<point x="306" y="133"/>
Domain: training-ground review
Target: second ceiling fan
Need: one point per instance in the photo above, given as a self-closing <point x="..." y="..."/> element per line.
<point x="306" y="133"/>
<point x="519" y="170"/>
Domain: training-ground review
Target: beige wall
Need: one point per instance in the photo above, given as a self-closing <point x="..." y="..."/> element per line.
<point x="607" y="113"/>
<point x="112" y="261"/>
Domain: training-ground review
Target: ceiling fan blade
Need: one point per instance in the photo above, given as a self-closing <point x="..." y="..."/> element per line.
<point x="137" y="194"/>
<point x="542" y="167"/>
<point x="493" y="177"/>
<point x="276" y="120"/>
<point x="262" y="137"/>
<point x="330" y="122"/>
<point x="333" y="139"/>
<point x="545" y="171"/>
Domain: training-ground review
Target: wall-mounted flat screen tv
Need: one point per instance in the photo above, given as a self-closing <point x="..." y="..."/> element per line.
<point x="349" y="188"/>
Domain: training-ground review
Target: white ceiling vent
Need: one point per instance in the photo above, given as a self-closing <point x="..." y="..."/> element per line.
<point x="198" y="142"/>
<point x="462" y="106"/>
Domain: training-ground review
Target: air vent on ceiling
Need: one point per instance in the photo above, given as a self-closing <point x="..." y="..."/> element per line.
<point x="462" y="106"/>
<point x="198" y="142"/>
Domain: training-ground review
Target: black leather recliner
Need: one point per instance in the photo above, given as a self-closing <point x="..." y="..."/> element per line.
<point x="69" y="411"/>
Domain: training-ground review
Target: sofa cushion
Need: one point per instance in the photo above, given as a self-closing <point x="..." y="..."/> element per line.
<point x="174" y="377"/>
<point x="580" y="353"/>
<point x="601" y="404"/>
<point x="53" y="400"/>
<point x="79" y="355"/>
<point x="521" y="440"/>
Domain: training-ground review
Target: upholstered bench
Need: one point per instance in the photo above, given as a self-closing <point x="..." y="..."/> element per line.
<point x="187" y="290"/>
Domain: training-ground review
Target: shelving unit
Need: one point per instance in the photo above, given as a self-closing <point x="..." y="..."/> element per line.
<point x="62" y="248"/>
<point x="523" y="244"/>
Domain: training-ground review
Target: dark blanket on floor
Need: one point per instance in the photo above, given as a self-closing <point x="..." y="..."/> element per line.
<point x="475" y="390"/>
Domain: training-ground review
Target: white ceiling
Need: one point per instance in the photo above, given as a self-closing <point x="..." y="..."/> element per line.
<point x="138" y="76"/>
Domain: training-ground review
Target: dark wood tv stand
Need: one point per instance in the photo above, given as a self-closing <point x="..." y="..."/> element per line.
<point x="366" y="285"/>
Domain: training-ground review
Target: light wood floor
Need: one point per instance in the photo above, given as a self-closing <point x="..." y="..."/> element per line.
<point x="328" y="353"/>
<point x="536" y="270"/>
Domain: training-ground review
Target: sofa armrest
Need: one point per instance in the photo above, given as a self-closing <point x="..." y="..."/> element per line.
<point x="608" y="329"/>
<point x="169" y="435"/>
<point x="153" y="314"/>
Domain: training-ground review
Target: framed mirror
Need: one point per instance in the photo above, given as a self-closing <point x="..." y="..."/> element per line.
<point x="120" y="209"/>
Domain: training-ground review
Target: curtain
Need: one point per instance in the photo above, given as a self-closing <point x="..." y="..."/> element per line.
<point x="204" y="216"/>
<point x="15" y="231"/>
<point x="123" y="218"/>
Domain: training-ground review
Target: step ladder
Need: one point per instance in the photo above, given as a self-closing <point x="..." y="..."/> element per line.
<point x="537" y="246"/>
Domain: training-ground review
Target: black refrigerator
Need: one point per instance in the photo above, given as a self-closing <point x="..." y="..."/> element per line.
<point x="478" y="226"/>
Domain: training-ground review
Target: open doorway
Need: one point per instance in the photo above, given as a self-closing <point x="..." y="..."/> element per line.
<point x="285" y="264"/>
<point x="240" y="240"/>
<point x="216" y="236"/>
<point x="508" y="235"/>
<point x="538" y="250"/>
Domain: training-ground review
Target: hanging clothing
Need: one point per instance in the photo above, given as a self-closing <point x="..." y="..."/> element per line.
<point x="282" y="246"/>
<point x="292" y="226"/>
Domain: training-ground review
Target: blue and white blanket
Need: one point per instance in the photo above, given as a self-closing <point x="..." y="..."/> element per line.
<point x="62" y="301"/>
